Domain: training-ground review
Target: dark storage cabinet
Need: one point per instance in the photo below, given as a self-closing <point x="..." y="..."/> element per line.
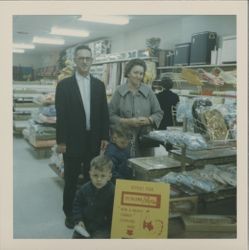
<point x="182" y="54"/>
<point x="202" y="44"/>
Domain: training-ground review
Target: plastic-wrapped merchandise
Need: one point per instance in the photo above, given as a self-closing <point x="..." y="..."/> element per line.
<point x="197" y="183"/>
<point x="211" y="178"/>
<point x="227" y="76"/>
<point x="199" y="106"/>
<point x="225" y="174"/>
<point x="192" y="141"/>
<point x="191" y="76"/>
<point x="183" y="109"/>
<point x="45" y="115"/>
<point x="46" y="99"/>
<point x="56" y="159"/>
<point x="210" y="78"/>
<point x="171" y="178"/>
<point x="214" y="122"/>
<point x="229" y="112"/>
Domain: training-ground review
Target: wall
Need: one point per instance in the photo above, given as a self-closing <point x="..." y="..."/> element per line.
<point x="25" y="60"/>
<point x="171" y="32"/>
<point x="175" y="31"/>
<point x="222" y="25"/>
<point x="36" y="61"/>
<point x="137" y="39"/>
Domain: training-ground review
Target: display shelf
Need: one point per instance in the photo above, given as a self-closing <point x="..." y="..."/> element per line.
<point x="202" y="157"/>
<point x="25" y="95"/>
<point x="33" y="89"/>
<point x="198" y="66"/>
<point x="19" y="126"/>
<point x="154" y="59"/>
<point x="206" y="89"/>
<point x="213" y="95"/>
<point x="148" y="168"/>
<point x="176" y="230"/>
<point x="40" y="152"/>
<point x="25" y="105"/>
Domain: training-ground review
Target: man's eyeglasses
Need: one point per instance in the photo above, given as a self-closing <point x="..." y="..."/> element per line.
<point x="82" y="59"/>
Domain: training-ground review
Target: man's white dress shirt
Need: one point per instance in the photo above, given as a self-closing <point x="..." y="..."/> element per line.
<point x="84" y="86"/>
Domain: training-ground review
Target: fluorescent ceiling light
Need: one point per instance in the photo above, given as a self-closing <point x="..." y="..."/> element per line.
<point x="23" y="46"/>
<point x="69" y="32"/>
<point x="18" y="50"/>
<point x="46" y="40"/>
<point x="118" y="20"/>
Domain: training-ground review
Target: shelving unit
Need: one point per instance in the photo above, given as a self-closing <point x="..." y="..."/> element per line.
<point x="185" y="89"/>
<point x="198" y="66"/>
<point x="111" y="72"/>
<point x="23" y="102"/>
<point x="154" y="59"/>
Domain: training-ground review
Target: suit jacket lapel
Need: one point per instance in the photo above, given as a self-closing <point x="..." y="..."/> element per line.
<point x="76" y="91"/>
<point x="92" y="93"/>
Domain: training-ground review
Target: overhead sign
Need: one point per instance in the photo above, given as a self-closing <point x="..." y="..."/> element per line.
<point x="141" y="210"/>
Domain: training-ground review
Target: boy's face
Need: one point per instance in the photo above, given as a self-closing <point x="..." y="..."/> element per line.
<point x="121" y="142"/>
<point x="100" y="178"/>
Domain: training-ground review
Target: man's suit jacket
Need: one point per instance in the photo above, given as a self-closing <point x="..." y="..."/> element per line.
<point x="71" y="120"/>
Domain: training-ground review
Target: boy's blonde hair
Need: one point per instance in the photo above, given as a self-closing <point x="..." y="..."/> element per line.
<point x="101" y="163"/>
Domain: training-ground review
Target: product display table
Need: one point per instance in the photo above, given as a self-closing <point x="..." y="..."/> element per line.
<point x="176" y="230"/>
<point x="208" y="156"/>
<point x="148" y="168"/>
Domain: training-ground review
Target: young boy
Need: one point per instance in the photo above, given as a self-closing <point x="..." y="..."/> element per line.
<point x="118" y="151"/>
<point x="92" y="207"/>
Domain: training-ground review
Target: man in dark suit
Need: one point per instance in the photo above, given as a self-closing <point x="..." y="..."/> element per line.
<point x="82" y="127"/>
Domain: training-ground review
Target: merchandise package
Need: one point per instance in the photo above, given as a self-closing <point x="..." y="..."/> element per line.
<point x="215" y="125"/>
<point x="210" y="78"/>
<point x="183" y="109"/>
<point x="150" y="74"/>
<point x="46" y="99"/>
<point x="191" y="76"/>
<point x="45" y="115"/>
<point x="227" y="76"/>
<point x="191" y="141"/>
<point x="215" y="122"/>
<point x="56" y="159"/>
<point x="211" y="178"/>
<point x="229" y="112"/>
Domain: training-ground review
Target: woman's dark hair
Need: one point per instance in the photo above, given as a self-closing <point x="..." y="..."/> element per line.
<point x="82" y="47"/>
<point x="167" y="83"/>
<point x="132" y="63"/>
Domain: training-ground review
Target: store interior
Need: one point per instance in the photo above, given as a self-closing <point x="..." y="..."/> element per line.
<point x="167" y="44"/>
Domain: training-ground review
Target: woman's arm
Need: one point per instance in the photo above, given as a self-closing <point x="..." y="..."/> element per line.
<point x="156" y="112"/>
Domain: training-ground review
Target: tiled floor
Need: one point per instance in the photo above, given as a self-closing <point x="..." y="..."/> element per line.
<point x="38" y="196"/>
<point x="37" y="199"/>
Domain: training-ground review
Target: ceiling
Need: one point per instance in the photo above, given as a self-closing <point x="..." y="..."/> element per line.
<point x="25" y="27"/>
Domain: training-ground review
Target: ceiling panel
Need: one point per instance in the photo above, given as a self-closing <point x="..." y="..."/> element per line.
<point x="25" y="27"/>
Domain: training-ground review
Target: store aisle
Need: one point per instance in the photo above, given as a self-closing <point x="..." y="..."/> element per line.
<point x="37" y="197"/>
